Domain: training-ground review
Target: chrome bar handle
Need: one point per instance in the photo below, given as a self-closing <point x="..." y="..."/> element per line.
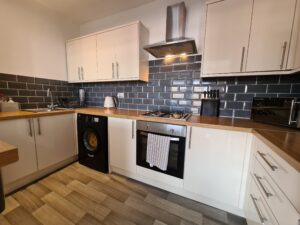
<point x="258" y="178"/>
<point x="113" y="69"/>
<point x="283" y="54"/>
<point x="292" y="111"/>
<point x="39" y="126"/>
<point x="261" y="217"/>
<point x="79" y="73"/>
<point x="82" y="73"/>
<point x="243" y="58"/>
<point x="30" y="128"/>
<point x="263" y="156"/>
<point x="132" y="130"/>
<point x="190" y="138"/>
<point x="117" y="65"/>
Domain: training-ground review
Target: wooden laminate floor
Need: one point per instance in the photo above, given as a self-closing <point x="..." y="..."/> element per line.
<point x="79" y="195"/>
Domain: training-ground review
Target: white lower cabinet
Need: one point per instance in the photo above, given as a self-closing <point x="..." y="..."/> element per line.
<point x="40" y="144"/>
<point x="122" y="144"/>
<point x="256" y="209"/>
<point x="214" y="164"/>
<point x="19" y="132"/>
<point x="55" y="139"/>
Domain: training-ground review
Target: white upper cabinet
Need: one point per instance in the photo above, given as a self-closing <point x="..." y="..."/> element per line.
<point x="122" y="144"/>
<point x="214" y="165"/>
<point x="226" y="36"/>
<point x="270" y="36"/>
<point x="127" y="52"/>
<point x="82" y="59"/>
<point x="110" y="55"/>
<point x="251" y="37"/>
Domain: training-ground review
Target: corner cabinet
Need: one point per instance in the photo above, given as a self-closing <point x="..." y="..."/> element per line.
<point x="215" y="166"/>
<point x="122" y="145"/>
<point x="251" y="37"/>
<point x="115" y="54"/>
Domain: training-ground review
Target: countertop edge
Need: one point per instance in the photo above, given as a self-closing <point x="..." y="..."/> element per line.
<point x="8" y="154"/>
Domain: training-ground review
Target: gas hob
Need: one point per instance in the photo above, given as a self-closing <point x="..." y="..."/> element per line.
<point x="169" y="115"/>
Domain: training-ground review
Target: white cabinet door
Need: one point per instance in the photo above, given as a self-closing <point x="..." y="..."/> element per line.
<point x="18" y="133"/>
<point x="106" y="55"/>
<point x="227" y="36"/>
<point x="127" y="52"/>
<point x="82" y="59"/>
<point x="122" y="144"/>
<point x="55" y="139"/>
<point x="89" y="58"/>
<point x="214" y="164"/>
<point x="73" y="60"/>
<point x="270" y="34"/>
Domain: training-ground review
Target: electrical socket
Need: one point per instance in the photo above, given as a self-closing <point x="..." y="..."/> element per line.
<point x="120" y="95"/>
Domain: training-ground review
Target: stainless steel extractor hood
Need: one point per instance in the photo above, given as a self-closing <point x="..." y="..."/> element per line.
<point x="176" y="43"/>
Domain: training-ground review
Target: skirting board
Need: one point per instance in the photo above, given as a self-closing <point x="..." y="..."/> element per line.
<point x="179" y="191"/>
<point x="9" y="188"/>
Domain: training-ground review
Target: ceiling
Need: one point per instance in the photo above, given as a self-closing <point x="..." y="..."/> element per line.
<point x="82" y="11"/>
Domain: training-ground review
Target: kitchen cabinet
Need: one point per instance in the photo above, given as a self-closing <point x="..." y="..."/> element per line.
<point x="55" y="139"/>
<point x="110" y="55"/>
<point x="257" y="210"/>
<point x="271" y="29"/>
<point x="251" y="37"/>
<point x="20" y="133"/>
<point x="270" y="199"/>
<point x="82" y="59"/>
<point x="120" y="54"/>
<point x="226" y="36"/>
<point x="122" y="144"/>
<point x="214" y="164"/>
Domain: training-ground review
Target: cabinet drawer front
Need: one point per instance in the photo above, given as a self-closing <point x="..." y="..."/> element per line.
<point x="257" y="210"/>
<point x="281" y="207"/>
<point x="281" y="172"/>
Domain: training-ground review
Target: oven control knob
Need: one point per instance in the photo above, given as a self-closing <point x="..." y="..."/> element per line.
<point x="172" y="131"/>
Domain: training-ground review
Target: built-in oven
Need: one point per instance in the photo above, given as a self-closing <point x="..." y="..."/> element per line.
<point x="177" y="136"/>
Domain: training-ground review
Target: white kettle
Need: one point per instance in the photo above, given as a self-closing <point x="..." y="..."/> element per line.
<point x="110" y="102"/>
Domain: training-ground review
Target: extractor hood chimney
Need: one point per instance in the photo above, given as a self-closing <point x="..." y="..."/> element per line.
<point x="176" y="43"/>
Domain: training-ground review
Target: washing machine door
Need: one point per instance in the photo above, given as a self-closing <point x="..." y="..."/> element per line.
<point x="91" y="141"/>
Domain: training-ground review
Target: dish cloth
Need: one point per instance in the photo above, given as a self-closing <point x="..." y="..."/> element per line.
<point x="158" y="151"/>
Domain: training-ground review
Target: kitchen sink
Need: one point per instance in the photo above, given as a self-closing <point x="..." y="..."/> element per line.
<point x="44" y="110"/>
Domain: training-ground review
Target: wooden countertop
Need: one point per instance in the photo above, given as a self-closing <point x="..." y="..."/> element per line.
<point x="284" y="141"/>
<point x="25" y="114"/>
<point x="8" y="154"/>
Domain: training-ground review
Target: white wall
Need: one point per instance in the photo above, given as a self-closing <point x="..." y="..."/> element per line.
<point x="153" y="16"/>
<point x="32" y="40"/>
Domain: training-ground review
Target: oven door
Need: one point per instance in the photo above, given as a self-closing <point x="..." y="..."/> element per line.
<point x="176" y="154"/>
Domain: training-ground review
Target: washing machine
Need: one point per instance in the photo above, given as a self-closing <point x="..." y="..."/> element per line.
<point x="93" y="142"/>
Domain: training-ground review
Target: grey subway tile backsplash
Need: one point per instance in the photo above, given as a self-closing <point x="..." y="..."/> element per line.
<point x="174" y="84"/>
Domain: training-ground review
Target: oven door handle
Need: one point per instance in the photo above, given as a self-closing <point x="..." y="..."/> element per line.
<point x="171" y="139"/>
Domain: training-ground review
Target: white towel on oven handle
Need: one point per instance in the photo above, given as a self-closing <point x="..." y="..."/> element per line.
<point x="158" y="151"/>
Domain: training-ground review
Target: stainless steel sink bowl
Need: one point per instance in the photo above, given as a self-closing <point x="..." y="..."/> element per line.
<point x="44" y="110"/>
